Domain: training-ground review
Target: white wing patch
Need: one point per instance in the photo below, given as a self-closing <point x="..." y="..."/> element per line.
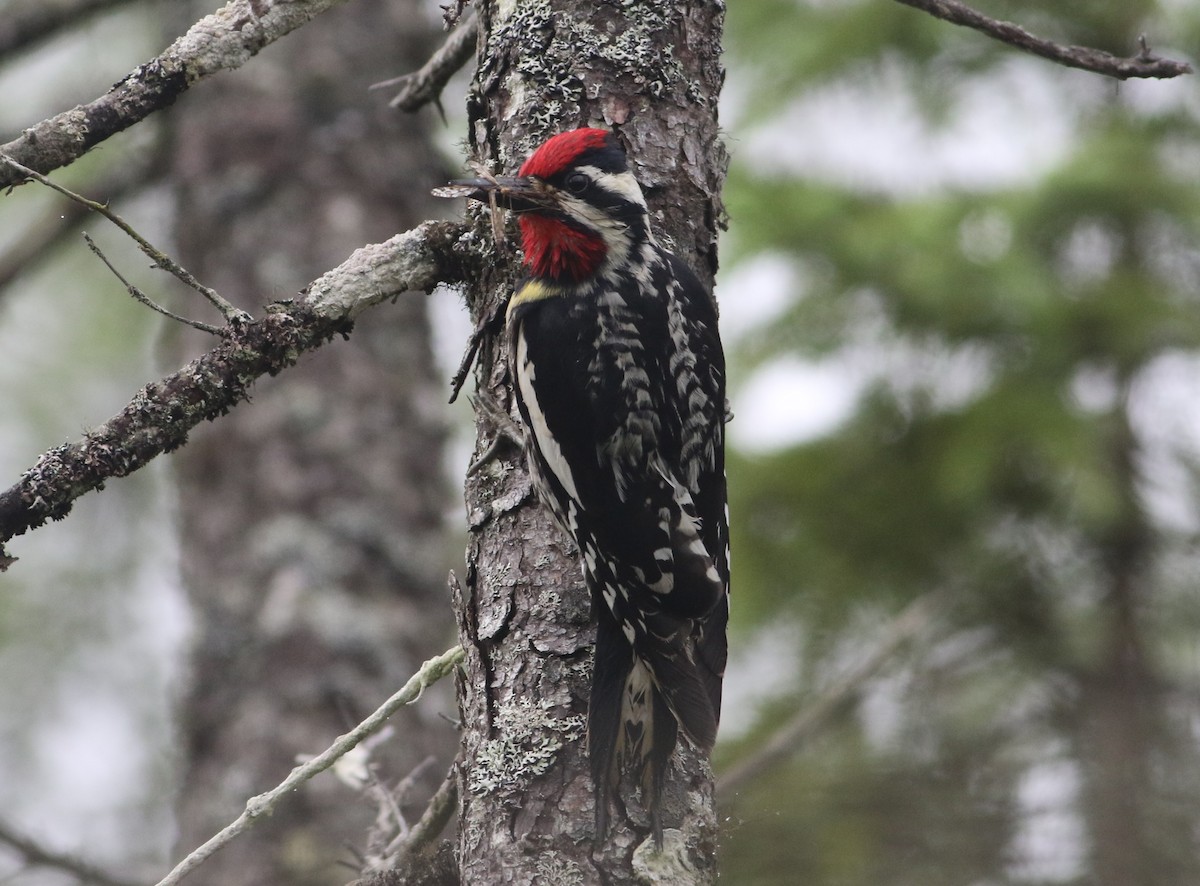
<point x="552" y="453"/>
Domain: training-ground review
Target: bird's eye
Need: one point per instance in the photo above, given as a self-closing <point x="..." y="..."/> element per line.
<point x="578" y="182"/>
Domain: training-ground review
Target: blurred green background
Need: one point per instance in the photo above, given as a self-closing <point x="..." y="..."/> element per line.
<point x="961" y="297"/>
<point x="990" y="270"/>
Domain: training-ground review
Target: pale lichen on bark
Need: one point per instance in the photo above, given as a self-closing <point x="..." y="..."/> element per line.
<point x="232" y="35"/>
<point x="381" y="271"/>
<point x="528" y="739"/>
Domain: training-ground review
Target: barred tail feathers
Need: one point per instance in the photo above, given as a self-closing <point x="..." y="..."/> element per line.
<point x="642" y="696"/>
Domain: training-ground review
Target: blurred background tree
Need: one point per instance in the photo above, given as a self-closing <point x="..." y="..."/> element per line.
<point x="308" y="530"/>
<point x="313" y="542"/>
<point x="976" y="307"/>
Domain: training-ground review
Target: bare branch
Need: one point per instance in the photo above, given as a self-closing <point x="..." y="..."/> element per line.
<point x="256" y="807"/>
<point x="407" y="848"/>
<point x="25" y="22"/>
<point x="1144" y="64"/>
<point x="161" y="260"/>
<point x="35" y="854"/>
<point x="425" y="85"/>
<point x="223" y="41"/>
<point x="160" y="416"/>
<point x="393" y="843"/>
<point x="43" y="235"/>
<point x="915" y="618"/>
<point x="144" y="299"/>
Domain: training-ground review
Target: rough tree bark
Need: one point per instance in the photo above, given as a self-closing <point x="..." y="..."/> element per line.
<point x="312" y="522"/>
<point x="653" y="72"/>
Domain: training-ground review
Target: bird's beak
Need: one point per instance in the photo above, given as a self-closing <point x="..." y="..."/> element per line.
<point x="510" y="192"/>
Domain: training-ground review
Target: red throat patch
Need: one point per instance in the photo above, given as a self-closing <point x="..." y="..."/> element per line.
<point x="556" y="250"/>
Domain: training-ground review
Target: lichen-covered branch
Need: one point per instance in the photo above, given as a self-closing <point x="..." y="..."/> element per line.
<point x="160" y="416"/>
<point x="223" y="41"/>
<point x="257" y="807"/>
<point x="1144" y="64"/>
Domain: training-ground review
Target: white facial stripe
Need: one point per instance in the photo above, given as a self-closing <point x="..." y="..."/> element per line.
<point x="623" y="184"/>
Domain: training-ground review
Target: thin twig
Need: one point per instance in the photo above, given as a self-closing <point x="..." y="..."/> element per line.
<point x="786" y="740"/>
<point x="431" y="823"/>
<point x="488" y="323"/>
<point x="389" y="817"/>
<point x="36" y="854"/>
<point x="467" y="361"/>
<point x="426" y="84"/>
<point x="141" y="297"/>
<point x="1144" y="64"/>
<point x="233" y="315"/>
<point x="257" y="807"/>
<point x="406" y="784"/>
<point x="131" y="176"/>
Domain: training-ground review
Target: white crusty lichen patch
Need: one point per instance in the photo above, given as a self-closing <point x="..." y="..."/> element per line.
<point x="668" y="866"/>
<point x="375" y="273"/>
<point x="226" y="39"/>
<point x="528" y="738"/>
<point x="552" y="867"/>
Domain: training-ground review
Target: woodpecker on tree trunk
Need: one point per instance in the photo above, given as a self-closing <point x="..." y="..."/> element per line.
<point x="619" y="377"/>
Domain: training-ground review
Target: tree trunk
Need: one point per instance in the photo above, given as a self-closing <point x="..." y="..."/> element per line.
<point x="312" y="517"/>
<point x="1124" y="736"/>
<point x="653" y="72"/>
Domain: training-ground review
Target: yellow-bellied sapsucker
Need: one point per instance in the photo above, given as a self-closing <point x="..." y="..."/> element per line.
<point x="620" y="380"/>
